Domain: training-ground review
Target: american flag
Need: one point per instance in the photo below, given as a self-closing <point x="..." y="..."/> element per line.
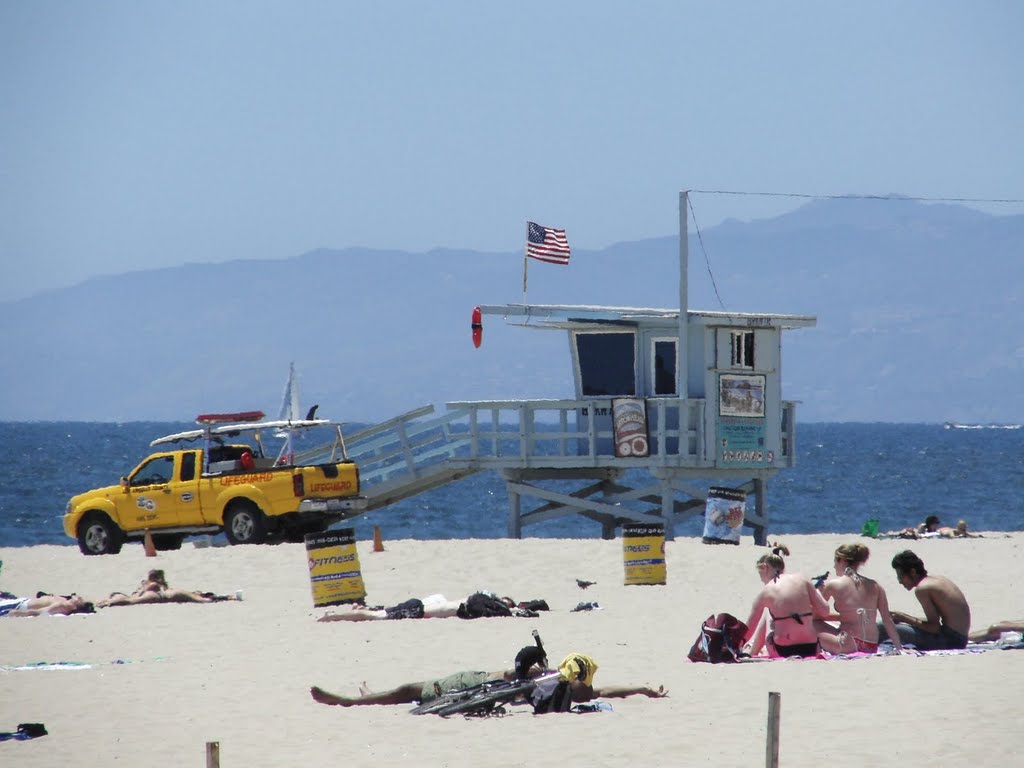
<point x="546" y="244"/>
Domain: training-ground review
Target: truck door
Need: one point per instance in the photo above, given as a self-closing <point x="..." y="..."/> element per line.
<point x="149" y="501"/>
<point x="185" y="489"/>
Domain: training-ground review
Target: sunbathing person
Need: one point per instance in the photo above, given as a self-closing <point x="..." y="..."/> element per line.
<point x="995" y="631"/>
<point x="578" y="668"/>
<point x="45" y="605"/>
<point x="432" y="607"/>
<point x="169" y="595"/>
<point x="792" y="604"/>
<point x="477" y="605"/>
<point x="154" y="582"/>
<point x="959" y="532"/>
<point x="858" y="602"/>
<point x="154" y="589"/>
<point x="947" y="616"/>
<point x="930" y="525"/>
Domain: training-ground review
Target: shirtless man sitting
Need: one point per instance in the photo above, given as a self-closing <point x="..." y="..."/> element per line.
<point x="947" y="616"/>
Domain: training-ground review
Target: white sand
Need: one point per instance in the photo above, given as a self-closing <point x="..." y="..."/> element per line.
<point x="239" y="673"/>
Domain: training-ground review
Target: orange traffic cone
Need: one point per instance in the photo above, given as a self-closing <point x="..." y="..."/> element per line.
<point x="147" y="543"/>
<point x="378" y="544"/>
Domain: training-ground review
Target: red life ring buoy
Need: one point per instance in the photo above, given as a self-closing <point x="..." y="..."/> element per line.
<point x="478" y="327"/>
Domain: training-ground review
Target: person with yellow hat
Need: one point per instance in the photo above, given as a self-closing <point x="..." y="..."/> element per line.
<point x="578" y="669"/>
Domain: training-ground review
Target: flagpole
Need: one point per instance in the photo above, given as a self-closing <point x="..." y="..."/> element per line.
<point x="526" y="259"/>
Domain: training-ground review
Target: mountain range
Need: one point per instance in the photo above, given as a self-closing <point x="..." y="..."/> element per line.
<point x="918" y="306"/>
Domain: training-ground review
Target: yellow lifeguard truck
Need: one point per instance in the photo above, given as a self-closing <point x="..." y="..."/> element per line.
<point x="218" y="486"/>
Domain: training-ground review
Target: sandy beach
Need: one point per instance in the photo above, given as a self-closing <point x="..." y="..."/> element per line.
<point x="163" y="680"/>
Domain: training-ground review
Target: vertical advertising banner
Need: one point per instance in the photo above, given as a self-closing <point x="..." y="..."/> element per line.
<point x="629" y="417"/>
<point x="643" y="553"/>
<point x="723" y="515"/>
<point x="334" y="573"/>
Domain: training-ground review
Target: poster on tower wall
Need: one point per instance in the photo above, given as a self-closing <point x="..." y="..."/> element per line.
<point x="629" y="417"/>
<point x="741" y="394"/>
<point x="741" y="443"/>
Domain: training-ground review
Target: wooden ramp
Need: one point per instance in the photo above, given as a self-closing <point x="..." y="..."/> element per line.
<point x="559" y="463"/>
<point x="405" y="456"/>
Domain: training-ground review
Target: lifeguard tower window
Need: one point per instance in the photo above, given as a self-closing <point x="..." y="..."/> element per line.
<point x="664" y="367"/>
<point x="607" y="363"/>
<point x="742" y="345"/>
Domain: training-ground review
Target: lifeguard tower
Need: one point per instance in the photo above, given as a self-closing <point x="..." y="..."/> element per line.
<point x="667" y="403"/>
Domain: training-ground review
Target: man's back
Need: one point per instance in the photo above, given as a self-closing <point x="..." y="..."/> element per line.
<point x="948" y="601"/>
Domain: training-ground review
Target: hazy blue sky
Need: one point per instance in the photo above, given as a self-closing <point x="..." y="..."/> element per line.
<point x="140" y="134"/>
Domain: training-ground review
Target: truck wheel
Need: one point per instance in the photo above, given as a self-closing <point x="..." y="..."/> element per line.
<point x="244" y="524"/>
<point x="97" y="535"/>
<point x="167" y="541"/>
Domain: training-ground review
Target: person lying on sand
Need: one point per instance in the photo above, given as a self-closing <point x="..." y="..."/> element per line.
<point x="947" y="616"/>
<point x="929" y="526"/>
<point x="995" y="631"/>
<point x="959" y="532"/>
<point x="578" y="668"/>
<point x="154" y="589"/>
<point x="931" y="529"/>
<point x="45" y="605"/>
<point x="477" y="605"/>
<point x="432" y="607"/>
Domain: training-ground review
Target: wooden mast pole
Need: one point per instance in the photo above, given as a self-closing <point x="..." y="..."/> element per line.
<point x="684" y="257"/>
<point x="526" y="259"/>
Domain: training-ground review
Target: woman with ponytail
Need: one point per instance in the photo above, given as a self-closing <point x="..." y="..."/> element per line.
<point x="788" y="606"/>
<point x="859" y="602"/>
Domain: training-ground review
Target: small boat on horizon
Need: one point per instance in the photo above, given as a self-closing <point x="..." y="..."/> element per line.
<point x="956" y="425"/>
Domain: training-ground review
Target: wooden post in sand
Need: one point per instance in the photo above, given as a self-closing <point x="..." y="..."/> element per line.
<point x="771" y="759"/>
<point x="213" y="754"/>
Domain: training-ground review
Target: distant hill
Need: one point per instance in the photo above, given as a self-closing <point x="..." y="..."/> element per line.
<point x="919" y="319"/>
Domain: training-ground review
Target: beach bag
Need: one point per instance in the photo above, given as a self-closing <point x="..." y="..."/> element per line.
<point x="552" y="695"/>
<point x="482" y="606"/>
<point x="720" y="640"/>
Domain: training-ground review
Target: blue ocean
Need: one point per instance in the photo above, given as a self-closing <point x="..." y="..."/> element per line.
<point x="846" y="473"/>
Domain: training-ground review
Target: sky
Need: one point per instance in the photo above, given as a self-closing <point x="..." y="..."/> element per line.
<point x="140" y="135"/>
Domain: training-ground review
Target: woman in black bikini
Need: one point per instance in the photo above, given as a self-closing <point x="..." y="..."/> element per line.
<point x="792" y="604"/>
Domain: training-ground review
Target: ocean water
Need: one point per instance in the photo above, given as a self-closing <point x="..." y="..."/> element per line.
<point x="845" y="474"/>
